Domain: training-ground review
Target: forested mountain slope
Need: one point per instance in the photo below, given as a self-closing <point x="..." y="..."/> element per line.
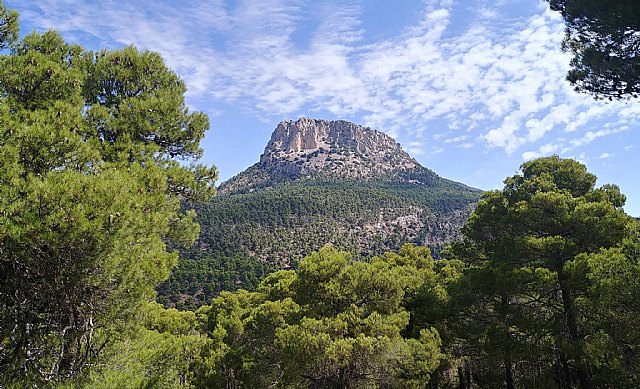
<point x="317" y="182"/>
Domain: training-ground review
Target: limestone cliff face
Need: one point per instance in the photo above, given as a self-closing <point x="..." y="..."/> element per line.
<point x="307" y="134"/>
<point x="336" y="148"/>
<point x="330" y="149"/>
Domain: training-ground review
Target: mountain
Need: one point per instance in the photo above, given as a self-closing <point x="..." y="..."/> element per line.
<point x="317" y="182"/>
<point x="311" y="148"/>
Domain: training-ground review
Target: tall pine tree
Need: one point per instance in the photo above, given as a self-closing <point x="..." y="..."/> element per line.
<point x="90" y="195"/>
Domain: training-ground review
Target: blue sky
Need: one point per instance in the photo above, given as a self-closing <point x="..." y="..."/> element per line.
<point x="470" y="88"/>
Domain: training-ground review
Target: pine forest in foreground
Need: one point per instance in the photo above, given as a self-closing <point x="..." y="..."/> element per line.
<point x="102" y="199"/>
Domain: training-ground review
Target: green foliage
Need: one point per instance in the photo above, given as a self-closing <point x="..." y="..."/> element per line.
<point x="524" y="304"/>
<point x="157" y="352"/>
<point x="603" y="38"/>
<point x="89" y="197"/>
<point x="195" y="281"/>
<point x="8" y="27"/>
<point x="246" y="235"/>
<point x="332" y="323"/>
<point x="610" y="279"/>
<point x="541" y="292"/>
<point x="137" y="107"/>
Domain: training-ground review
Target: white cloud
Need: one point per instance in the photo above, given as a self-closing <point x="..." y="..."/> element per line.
<point x="590" y="136"/>
<point x="457" y="139"/>
<point x="546" y="149"/>
<point x="499" y="78"/>
<point x="415" y="148"/>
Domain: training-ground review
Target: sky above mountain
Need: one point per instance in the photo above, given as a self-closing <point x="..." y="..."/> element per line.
<point x="470" y="88"/>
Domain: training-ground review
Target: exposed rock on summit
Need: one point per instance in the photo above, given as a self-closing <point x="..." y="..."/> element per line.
<point x="339" y="148"/>
<point x="314" y="148"/>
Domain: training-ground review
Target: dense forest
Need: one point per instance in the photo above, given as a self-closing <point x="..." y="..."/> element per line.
<point x="244" y="236"/>
<point x="541" y="290"/>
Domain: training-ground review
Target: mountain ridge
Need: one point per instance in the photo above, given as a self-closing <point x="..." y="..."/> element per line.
<point x="325" y="149"/>
<point x="318" y="182"/>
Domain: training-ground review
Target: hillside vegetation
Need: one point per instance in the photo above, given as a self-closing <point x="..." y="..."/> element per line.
<point x="539" y="289"/>
<point x="246" y="235"/>
<point x="318" y="182"/>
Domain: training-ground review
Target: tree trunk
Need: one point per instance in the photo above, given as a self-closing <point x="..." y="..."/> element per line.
<point x="461" y="378"/>
<point x="508" y="364"/>
<point x="564" y="366"/>
<point x="572" y="326"/>
<point x="508" y="373"/>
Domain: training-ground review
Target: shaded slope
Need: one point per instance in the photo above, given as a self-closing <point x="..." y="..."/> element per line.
<point x="279" y="210"/>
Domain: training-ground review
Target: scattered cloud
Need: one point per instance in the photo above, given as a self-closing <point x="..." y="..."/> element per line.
<point x="590" y="136"/>
<point x="485" y="74"/>
<point x="457" y="139"/>
<point x="544" y="150"/>
<point x="415" y="148"/>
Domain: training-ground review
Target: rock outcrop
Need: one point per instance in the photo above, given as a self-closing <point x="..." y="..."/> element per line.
<point x="329" y="149"/>
<point x="336" y="148"/>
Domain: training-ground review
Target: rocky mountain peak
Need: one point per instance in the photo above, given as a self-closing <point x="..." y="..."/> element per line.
<point x="329" y="150"/>
<point x="337" y="148"/>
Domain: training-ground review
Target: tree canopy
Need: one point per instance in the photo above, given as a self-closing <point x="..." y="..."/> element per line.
<point x="98" y="166"/>
<point x="90" y="194"/>
<point x="604" y="40"/>
<point x="332" y="323"/>
<point x="535" y="251"/>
